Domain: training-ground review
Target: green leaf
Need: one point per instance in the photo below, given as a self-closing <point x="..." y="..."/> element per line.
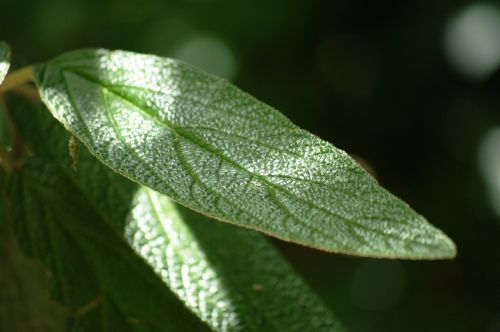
<point x="231" y="277"/>
<point x="4" y="60"/>
<point x="96" y="274"/>
<point x="219" y="151"/>
<point x="25" y="304"/>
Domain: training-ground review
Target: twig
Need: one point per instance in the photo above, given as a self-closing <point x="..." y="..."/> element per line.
<point x="17" y="78"/>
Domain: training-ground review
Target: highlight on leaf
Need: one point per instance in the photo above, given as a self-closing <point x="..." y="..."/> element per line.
<point x="217" y="150"/>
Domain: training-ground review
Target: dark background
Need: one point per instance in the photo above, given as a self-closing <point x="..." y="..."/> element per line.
<point x="411" y="87"/>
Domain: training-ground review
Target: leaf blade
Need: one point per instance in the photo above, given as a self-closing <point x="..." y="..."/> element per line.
<point x="219" y="151"/>
<point x="236" y="266"/>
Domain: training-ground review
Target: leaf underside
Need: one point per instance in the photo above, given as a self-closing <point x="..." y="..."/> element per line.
<point x="230" y="277"/>
<point x="215" y="149"/>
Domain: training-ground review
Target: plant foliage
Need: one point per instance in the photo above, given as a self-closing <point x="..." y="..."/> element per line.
<point x="148" y="254"/>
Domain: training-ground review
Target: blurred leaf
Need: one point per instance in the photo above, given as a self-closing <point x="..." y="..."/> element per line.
<point x="231" y="277"/>
<point x="25" y="304"/>
<point x="215" y="149"/>
<point x="4" y="60"/>
<point x="96" y="273"/>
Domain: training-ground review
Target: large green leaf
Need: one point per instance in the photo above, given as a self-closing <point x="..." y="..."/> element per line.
<point x="96" y="275"/>
<point x="219" y="151"/>
<point x="231" y="277"/>
<point x="4" y="60"/>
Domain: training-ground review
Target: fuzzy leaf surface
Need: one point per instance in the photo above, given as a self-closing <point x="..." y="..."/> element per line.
<point x="211" y="147"/>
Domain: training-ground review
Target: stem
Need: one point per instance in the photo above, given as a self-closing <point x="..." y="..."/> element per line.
<point x="27" y="91"/>
<point x="89" y="306"/>
<point x="17" y="78"/>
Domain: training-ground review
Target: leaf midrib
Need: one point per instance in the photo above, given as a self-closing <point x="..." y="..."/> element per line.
<point x="117" y="131"/>
<point x="196" y="142"/>
<point x="182" y="134"/>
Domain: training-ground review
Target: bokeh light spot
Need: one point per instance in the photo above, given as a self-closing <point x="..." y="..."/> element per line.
<point x="208" y="53"/>
<point x="472" y="41"/>
<point x="163" y="36"/>
<point x="489" y="163"/>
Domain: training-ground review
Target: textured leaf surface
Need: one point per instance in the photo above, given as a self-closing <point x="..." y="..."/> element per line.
<point x="4" y="60"/>
<point x="25" y="305"/>
<point x="217" y="150"/>
<point x="231" y="277"/>
<point x="96" y="275"/>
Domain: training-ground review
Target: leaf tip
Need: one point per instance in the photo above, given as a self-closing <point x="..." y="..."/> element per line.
<point x="448" y="249"/>
<point x="436" y="245"/>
